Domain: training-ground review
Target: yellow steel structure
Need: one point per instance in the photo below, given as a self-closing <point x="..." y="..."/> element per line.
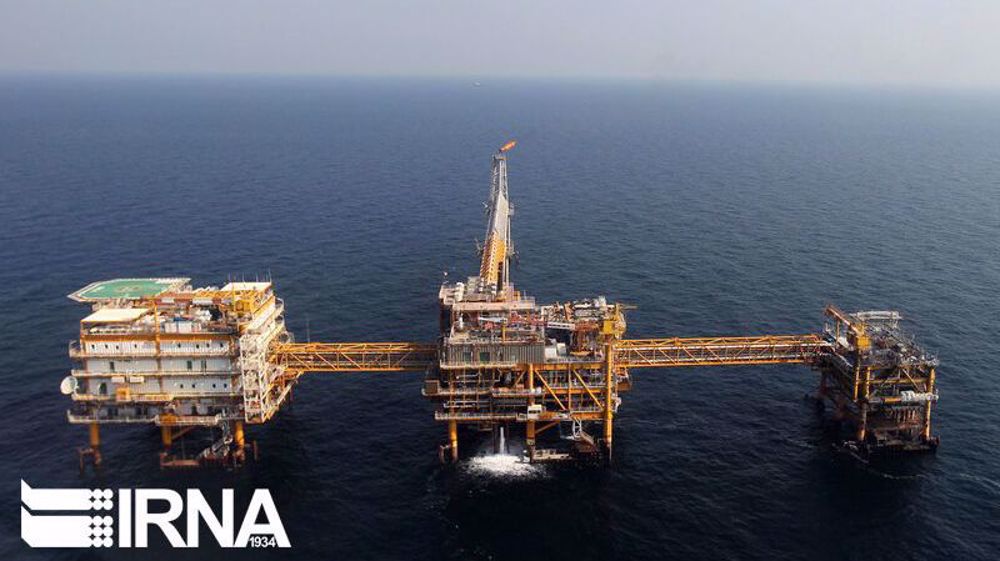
<point x="493" y="257"/>
<point x="569" y="395"/>
<point x="561" y="385"/>
<point x="628" y="353"/>
<point x="494" y="268"/>
<point x="355" y="357"/>
<point x="501" y="359"/>
<point x="719" y="351"/>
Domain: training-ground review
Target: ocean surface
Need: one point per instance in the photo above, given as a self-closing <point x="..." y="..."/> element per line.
<point x="715" y="209"/>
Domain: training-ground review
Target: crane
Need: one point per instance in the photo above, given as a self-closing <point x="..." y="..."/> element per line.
<point x="494" y="270"/>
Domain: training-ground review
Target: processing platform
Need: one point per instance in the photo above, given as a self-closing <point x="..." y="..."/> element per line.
<point x="213" y="360"/>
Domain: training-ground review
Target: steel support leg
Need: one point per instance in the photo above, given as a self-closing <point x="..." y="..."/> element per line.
<point x="453" y="439"/>
<point x="609" y="379"/>
<point x="95" y="442"/>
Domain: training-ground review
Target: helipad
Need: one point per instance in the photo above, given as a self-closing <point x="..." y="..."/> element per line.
<point x="126" y="289"/>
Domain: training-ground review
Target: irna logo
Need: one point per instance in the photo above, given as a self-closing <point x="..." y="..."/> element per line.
<point x="82" y="518"/>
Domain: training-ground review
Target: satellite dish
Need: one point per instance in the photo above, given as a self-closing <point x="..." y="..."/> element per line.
<point x="68" y="385"/>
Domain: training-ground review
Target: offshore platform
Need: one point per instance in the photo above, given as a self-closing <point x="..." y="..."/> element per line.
<point x="161" y="352"/>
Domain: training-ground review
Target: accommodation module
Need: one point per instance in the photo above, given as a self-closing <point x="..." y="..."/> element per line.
<point x="158" y="351"/>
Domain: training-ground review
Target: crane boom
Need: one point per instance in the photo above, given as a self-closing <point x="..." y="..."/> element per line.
<point x="494" y="271"/>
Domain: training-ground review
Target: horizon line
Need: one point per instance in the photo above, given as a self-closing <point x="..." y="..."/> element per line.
<point x="482" y="79"/>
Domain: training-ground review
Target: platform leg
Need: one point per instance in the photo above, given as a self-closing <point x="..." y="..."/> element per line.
<point x="608" y="435"/>
<point x="95" y="442"/>
<point x="239" y="442"/>
<point x="609" y="414"/>
<point x="529" y="426"/>
<point x="927" y="407"/>
<point x="863" y="423"/>
<point x="529" y="438"/>
<point x="238" y="436"/>
<point x="453" y="439"/>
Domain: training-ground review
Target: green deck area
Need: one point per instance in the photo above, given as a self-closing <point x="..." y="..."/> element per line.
<point x="129" y="289"/>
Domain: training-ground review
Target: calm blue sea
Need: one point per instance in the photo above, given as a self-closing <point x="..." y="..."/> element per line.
<point x="714" y="209"/>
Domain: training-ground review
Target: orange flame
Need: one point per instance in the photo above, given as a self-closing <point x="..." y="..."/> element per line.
<point x="508" y="146"/>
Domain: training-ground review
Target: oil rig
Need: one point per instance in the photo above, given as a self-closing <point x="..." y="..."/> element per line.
<point x="161" y="352"/>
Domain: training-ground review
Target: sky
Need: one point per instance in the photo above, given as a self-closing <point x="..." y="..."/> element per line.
<point x="943" y="43"/>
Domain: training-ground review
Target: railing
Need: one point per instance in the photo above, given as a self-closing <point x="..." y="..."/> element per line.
<point x="629" y="353"/>
<point x="720" y="351"/>
<point x="76" y="352"/>
<point x="474" y="416"/>
<point x="152" y="373"/>
<point x="166" y="350"/>
<point x="118" y="419"/>
<point x="355" y="357"/>
<point x="187" y="420"/>
<point x="166" y="328"/>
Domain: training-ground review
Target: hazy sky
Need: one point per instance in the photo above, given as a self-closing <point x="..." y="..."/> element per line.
<point x="935" y="42"/>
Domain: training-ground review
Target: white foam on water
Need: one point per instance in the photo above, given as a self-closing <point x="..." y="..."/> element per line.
<point x="504" y="466"/>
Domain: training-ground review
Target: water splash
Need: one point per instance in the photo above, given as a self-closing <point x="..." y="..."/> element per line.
<point x="504" y="466"/>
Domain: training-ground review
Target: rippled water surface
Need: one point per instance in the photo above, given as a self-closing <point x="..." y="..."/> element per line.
<point x="715" y="210"/>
